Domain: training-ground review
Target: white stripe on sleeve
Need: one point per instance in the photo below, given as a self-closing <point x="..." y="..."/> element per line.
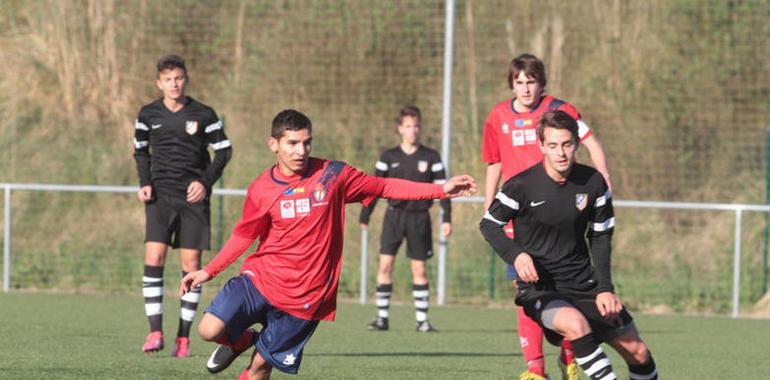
<point x="381" y="166"/>
<point x="439" y="181"/>
<point x="606" y="225"/>
<point x="141" y="126"/>
<point x="437" y="167"/>
<point x="583" y="128"/>
<point x="512" y="204"/>
<point x="140" y="144"/>
<point x="221" y="145"/>
<point x="601" y="201"/>
<point x="214" y="127"/>
<point x="491" y="218"/>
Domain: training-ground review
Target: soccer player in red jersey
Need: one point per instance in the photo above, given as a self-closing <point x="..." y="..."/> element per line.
<point x="510" y="146"/>
<point x="297" y="211"/>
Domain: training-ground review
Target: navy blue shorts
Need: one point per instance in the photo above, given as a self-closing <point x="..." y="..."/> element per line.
<point x="511" y="272"/>
<point x="283" y="337"/>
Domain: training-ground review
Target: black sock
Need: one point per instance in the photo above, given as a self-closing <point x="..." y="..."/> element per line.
<point x="383" y="293"/>
<point x="188" y="306"/>
<point x="646" y="371"/>
<point x="421" y="294"/>
<point x="152" y="289"/>
<point x="592" y="358"/>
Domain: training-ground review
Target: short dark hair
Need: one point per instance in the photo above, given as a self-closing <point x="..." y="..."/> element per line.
<point x="289" y="120"/>
<point x="557" y="119"/>
<point x="170" y="62"/>
<point x="531" y="66"/>
<point x="412" y="111"/>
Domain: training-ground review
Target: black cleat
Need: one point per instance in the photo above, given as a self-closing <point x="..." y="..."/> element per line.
<point x="425" y="327"/>
<point x="223" y="356"/>
<point x="379" y="324"/>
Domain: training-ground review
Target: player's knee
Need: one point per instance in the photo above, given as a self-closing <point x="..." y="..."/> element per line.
<point x="637" y="353"/>
<point x="210" y="330"/>
<point x="573" y="324"/>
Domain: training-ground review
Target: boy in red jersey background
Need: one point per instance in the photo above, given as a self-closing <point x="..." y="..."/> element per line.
<point x="510" y="146"/>
<point x="297" y="211"/>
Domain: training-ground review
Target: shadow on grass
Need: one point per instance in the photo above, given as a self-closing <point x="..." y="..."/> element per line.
<point x="416" y="354"/>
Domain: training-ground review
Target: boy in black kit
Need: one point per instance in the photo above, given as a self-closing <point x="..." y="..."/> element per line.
<point x="176" y="175"/>
<point x="407" y="219"/>
<point x="563" y="284"/>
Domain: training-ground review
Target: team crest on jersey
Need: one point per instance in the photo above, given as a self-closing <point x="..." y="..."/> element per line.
<point x="422" y="166"/>
<point x="319" y="194"/>
<point x="581" y="200"/>
<point x="191" y="127"/>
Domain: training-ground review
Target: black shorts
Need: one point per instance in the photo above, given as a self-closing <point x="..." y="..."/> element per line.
<point x="174" y="221"/>
<point x="414" y="226"/>
<point x="534" y="301"/>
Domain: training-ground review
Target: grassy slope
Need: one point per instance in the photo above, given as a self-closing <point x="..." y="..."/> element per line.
<point x="63" y="336"/>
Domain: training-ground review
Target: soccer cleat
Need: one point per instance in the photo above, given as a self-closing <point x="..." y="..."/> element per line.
<point x="379" y="324"/>
<point x="181" y="348"/>
<point x="527" y="375"/>
<point x="569" y="371"/>
<point x="153" y="342"/>
<point x="223" y="355"/>
<point x="425" y="327"/>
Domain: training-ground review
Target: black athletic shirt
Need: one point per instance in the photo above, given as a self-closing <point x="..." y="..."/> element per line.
<point x="424" y="165"/>
<point x="171" y="149"/>
<point x="551" y="223"/>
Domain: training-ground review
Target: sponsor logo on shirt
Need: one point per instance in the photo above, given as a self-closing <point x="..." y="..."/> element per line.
<point x="518" y="138"/>
<point x="506" y="128"/>
<point x="287" y="209"/>
<point x="302" y="206"/>
<point x="394" y="165"/>
<point x="422" y="166"/>
<point x="522" y="122"/>
<point x="156" y="126"/>
<point x="581" y="200"/>
<point x="191" y="127"/>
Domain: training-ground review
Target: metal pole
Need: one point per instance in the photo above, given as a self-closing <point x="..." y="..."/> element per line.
<point x="767" y="217"/>
<point x="364" y="261"/>
<point x="737" y="264"/>
<point x="7" y="240"/>
<point x="446" y="131"/>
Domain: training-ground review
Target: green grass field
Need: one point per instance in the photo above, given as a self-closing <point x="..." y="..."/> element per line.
<point x="66" y="336"/>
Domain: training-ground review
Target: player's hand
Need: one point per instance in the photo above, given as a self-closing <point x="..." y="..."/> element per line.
<point x="460" y="186"/>
<point x="446" y="229"/>
<point x="364" y="226"/>
<point x="193" y="280"/>
<point x="609" y="305"/>
<point x="525" y="268"/>
<point x="145" y="193"/>
<point x="195" y="192"/>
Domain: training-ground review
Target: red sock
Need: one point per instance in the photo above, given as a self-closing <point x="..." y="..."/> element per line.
<point x="244" y="375"/>
<point x="567" y="355"/>
<point x="244" y="341"/>
<point x="531" y="339"/>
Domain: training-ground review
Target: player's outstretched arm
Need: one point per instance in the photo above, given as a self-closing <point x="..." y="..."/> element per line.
<point x="460" y="186"/>
<point x="193" y="280"/>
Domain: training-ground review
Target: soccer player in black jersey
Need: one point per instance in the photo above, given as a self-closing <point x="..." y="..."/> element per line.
<point x="563" y="284"/>
<point x="176" y="175"/>
<point x="408" y="219"/>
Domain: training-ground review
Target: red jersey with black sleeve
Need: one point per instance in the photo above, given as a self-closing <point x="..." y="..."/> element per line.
<point x="510" y="137"/>
<point x="299" y="222"/>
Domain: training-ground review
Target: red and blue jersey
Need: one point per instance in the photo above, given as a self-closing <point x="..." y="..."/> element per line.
<point x="510" y="137"/>
<point x="299" y="222"/>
